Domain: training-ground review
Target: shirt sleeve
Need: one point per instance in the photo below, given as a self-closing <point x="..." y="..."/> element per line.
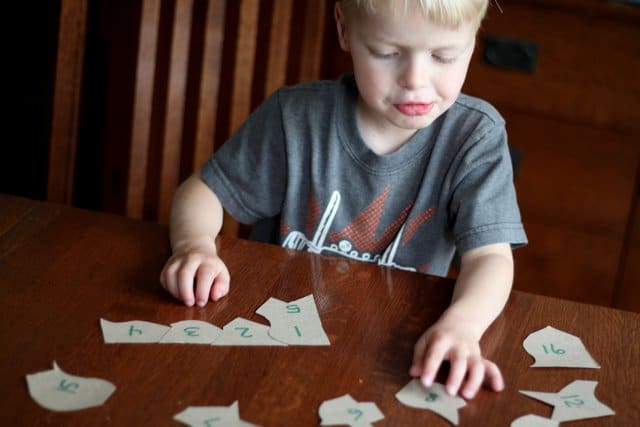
<point x="484" y="208"/>
<point x="248" y="173"/>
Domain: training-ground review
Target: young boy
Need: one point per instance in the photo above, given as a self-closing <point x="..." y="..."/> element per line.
<point x="392" y="165"/>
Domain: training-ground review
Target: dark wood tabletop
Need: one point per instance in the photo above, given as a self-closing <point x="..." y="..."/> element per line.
<point x="62" y="269"/>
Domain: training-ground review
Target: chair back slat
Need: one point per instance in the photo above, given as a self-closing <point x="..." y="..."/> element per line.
<point x="66" y="100"/>
<point x="209" y="83"/>
<point x="174" y="108"/>
<point x="142" y="107"/>
<point x="312" y="40"/>
<point x="244" y="63"/>
<point x="276" y="68"/>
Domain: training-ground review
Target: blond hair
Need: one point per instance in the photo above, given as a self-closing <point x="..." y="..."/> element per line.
<point x="451" y="13"/>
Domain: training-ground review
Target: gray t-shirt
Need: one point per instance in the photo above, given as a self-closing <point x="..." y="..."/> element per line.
<point x="300" y="155"/>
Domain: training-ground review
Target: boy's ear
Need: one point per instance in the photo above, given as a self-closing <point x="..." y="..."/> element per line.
<point x="341" y="26"/>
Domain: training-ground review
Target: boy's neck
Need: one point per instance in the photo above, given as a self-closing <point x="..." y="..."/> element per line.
<point x="381" y="137"/>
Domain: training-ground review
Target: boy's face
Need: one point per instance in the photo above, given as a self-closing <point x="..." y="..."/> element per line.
<point x="408" y="69"/>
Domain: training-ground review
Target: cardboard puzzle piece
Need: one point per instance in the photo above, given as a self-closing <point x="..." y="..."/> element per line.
<point x="133" y="331"/>
<point x="552" y="347"/>
<point x="294" y="323"/>
<point x="576" y="401"/>
<point x="191" y="332"/>
<point x="241" y="331"/>
<point x="344" y="410"/>
<point x="532" y="420"/>
<point x="57" y="390"/>
<point x="434" y="398"/>
<point x="212" y="416"/>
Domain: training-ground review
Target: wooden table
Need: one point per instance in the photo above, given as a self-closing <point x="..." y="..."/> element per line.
<point x="61" y="269"/>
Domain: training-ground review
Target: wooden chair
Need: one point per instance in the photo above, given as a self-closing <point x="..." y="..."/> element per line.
<point x="200" y="67"/>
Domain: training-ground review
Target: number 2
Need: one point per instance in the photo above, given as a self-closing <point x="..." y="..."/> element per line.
<point x="244" y="332"/>
<point x="571" y="403"/>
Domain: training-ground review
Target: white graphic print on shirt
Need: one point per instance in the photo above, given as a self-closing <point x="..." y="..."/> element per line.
<point x="365" y="247"/>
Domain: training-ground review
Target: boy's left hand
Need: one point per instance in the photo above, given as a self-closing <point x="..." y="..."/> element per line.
<point x="450" y="340"/>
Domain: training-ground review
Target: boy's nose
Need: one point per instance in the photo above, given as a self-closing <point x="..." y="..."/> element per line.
<point x="414" y="74"/>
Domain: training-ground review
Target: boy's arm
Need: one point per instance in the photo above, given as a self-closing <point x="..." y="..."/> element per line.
<point x="480" y="293"/>
<point x="195" y="273"/>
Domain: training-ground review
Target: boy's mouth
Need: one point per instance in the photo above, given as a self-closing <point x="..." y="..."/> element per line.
<point x="415" y="108"/>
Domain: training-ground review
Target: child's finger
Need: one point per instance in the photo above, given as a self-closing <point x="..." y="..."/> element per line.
<point x="166" y="277"/>
<point x="457" y="373"/>
<point x="417" y="364"/>
<point x="186" y="276"/>
<point x="475" y="377"/>
<point x="204" y="281"/>
<point x="493" y="376"/>
<point x="220" y="285"/>
<point x="169" y="279"/>
<point x="433" y="359"/>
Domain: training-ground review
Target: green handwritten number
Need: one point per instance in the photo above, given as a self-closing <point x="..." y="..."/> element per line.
<point x="192" y="331"/>
<point x="552" y="349"/>
<point x="209" y="422"/>
<point x="357" y="413"/>
<point x="133" y="329"/>
<point x="68" y="387"/>
<point x="245" y="332"/>
<point x="575" y="402"/>
<point x="298" y="333"/>
<point x="432" y="397"/>
<point x="293" y="308"/>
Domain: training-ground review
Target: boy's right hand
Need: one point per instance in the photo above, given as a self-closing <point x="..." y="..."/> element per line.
<point x="195" y="276"/>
